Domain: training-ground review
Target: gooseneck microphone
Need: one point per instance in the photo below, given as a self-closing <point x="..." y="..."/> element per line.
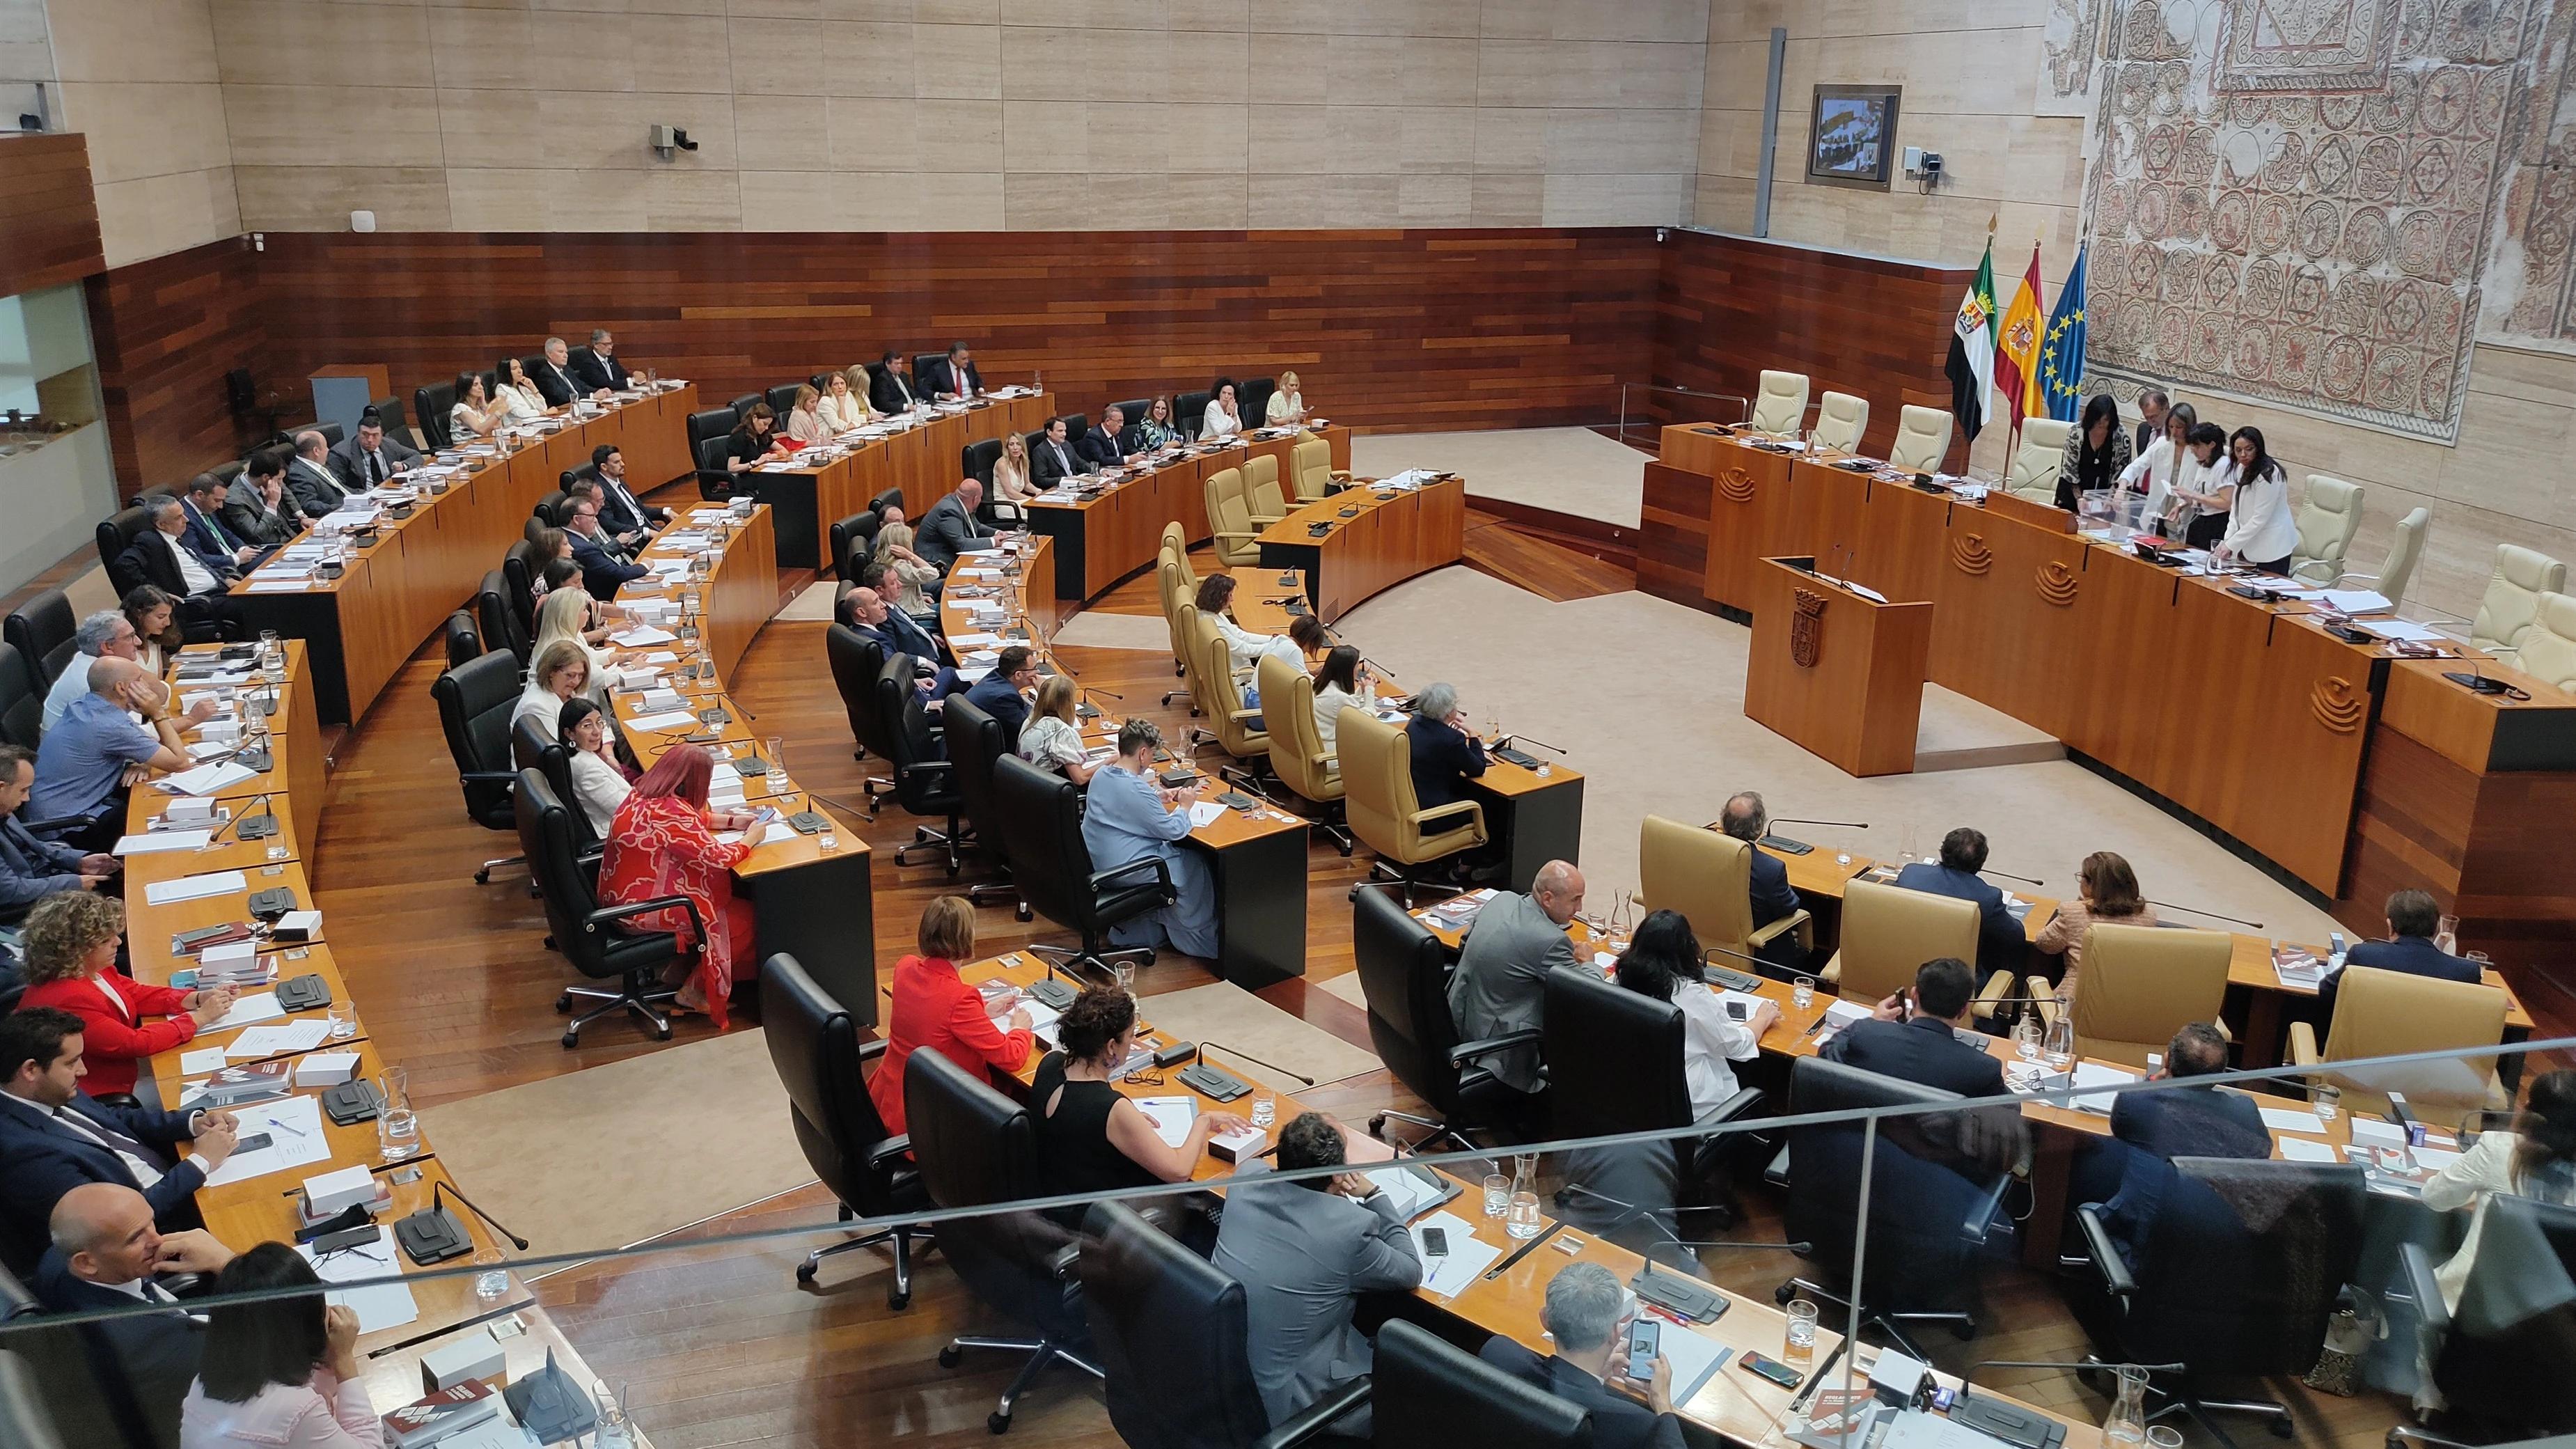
<point x="1256" y="1061"/>
<point x="441" y="1187"/>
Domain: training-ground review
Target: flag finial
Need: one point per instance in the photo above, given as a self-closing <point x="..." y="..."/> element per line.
<point x="1993" y="221"/>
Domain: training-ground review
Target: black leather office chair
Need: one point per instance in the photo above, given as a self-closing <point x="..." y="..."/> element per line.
<point x="520" y="570"/>
<point x="974" y="1149"/>
<point x="781" y="400"/>
<point x="533" y="749"/>
<point x="116" y="534"/>
<point x="2506" y="1360"/>
<point x="1404" y="978"/>
<point x="820" y="1060"/>
<point x="596" y="938"/>
<point x="501" y="622"/>
<point x="461" y="640"/>
<point x="555" y="507"/>
<point x="580" y="473"/>
<point x="1171" y="1333"/>
<point x="890" y="498"/>
<point x="42" y="628"/>
<point x="435" y="405"/>
<point x="976" y="461"/>
<point x="708" y="431"/>
<point x="1041" y="815"/>
<point x="389" y="411"/>
<point x="1614" y="1066"/>
<point x="2238" y="1278"/>
<point x="856" y="661"/>
<point x="474" y="703"/>
<point x="924" y="784"/>
<point x="1932" y="1207"/>
<point x="22" y="701"/>
<point x="921" y="368"/>
<point x="1426" y="1390"/>
<point x="68" y="1385"/>
<point x="1252" y="400"/>
<point x="1135" y="408"/>
<point x="1189" y="409"/>
<point x="853" y="540"/>
<point x="975" y="746"/>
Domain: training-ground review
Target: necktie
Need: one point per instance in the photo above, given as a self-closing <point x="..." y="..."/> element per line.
<point x="104" y="1133"/>
<point x="375" y="470"/>
<point x="221" y="537"/>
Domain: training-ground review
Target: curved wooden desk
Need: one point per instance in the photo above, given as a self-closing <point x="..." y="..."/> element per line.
<point x="1111" y="533"/>
<point x="1372" y="539"/>
<point x="832" y="480"/>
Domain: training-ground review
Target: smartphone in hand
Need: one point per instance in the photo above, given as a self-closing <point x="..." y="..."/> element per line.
<point x="1645" y="1340"/>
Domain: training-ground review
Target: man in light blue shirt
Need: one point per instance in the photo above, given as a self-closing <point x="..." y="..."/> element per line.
<point x="89" y="758"/>
<point x="102" y="634"/>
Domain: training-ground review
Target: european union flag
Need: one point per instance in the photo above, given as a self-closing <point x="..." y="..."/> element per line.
<point x="2061" y="349"/>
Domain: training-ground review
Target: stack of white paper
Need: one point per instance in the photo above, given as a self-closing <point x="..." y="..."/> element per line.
<point x="379" y="1304"/>
<point x="294" y="1128"/>
<point x="280" y="1039"/>
<point x="195" y="887"/>
<point x="1171" y="1116"/>
<point x="1468" y="1254"/>
<point x="206" y="779"/>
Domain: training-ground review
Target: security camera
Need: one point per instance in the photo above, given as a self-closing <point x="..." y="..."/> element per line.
<point x="667" y="139"/>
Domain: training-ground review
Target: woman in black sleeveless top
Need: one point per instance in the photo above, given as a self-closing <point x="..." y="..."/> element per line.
<point x="1090" y="1137"/>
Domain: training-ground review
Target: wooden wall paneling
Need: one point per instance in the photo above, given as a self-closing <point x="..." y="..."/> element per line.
<point x="166" y="331"/>
<point x="48" y="213"/>
<point x="1673" y="544"/>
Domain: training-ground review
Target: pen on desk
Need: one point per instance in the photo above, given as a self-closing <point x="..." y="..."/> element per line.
<point x="292" y="1131"/>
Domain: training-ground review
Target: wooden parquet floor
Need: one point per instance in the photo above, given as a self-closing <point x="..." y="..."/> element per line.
<point x="718" y="1342"/>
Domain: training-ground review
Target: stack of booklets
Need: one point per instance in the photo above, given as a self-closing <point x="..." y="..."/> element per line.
<point x="250" y="1082"/>
<point x="437" y="1416"/>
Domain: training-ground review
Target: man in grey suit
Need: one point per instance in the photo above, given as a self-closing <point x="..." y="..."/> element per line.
<point x="371" y="458"/>
<point x="1304" y="1251"/>
<point x="1501" y="985"/>
<point x="309" y="477"/>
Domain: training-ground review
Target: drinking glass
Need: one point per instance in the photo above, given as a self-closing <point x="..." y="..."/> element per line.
<point x="1498" y="1194"/>
<point x="1800" y="1346"/>
<point x="1521" y="1218"/>
<point x="272" y="657"/>
<point x="2325" y="1101"/>
<point x="1124" y="973"/>
<point x="829" y="839"/>
<point x="344" y="1021"/>
<point x="2447" y="934"/>
<point x="775" y="747"/>
<point x="1802" y="992"/>
<point x="616" y="1430"/>
<point x="2026" y="1037"/>
<point x="491" y="1279"/>
<point x="397" y="1130"/>
<point x="1265" y="1110"/>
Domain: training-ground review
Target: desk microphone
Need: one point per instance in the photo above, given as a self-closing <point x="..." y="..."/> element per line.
<point x="2014" y="1424"/>
<point x="1522" y="739"/>
<point x="2008" y="875"/>
<point x="442" y="1186"/>
<point x="237" y="816"/>
<point x="1204" y="1044"/>
<point x="2213" y="915"/>
<point x="1800" y="847"/>
<point x="1838" y="824"/>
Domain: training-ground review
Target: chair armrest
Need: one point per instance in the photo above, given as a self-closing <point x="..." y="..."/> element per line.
<point x="1468" y="1051"/>
<point x="606" y="914"/>
<point x="504" y="776"/>
<point x="1317" y="1416"/>
<point x="59" y="822"/>
<point x="1797" y="920"/>
<point x="1224" y="533"/>
<point x="932" y="767"/>
<point x="2116" y="1278"/>
<point x="1066" y="1263"/>
<point x="1997" y="989"/>
<point x="2303" y="1045"/>
<point x="1160" y="869"/>
<point x="1475" y="808"/>
<point x="873" y="1048"/>
<point x="2415" y="1266"/>
<point x="891" y="1152"/>
<point x="2044" y="996"/>
<point x="1742" y="1104"/>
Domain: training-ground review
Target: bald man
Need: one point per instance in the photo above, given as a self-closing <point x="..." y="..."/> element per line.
<point x="107" y="1254"/>
<point x="97" y="750"/>
<point x="1501" y="985"/>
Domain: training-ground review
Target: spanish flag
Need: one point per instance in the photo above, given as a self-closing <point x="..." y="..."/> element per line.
<point x="2017" y="348"/>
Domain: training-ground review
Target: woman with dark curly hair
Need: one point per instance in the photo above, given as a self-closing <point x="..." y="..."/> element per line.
<point x="1090" y="1137"/>
<point x="70" y="942"/>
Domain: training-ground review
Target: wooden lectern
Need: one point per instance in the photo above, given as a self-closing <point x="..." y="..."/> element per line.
<point x="1838" y="673"/>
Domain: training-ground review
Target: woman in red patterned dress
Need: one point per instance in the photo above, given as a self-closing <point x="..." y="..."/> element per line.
<point x="663" y="842"/>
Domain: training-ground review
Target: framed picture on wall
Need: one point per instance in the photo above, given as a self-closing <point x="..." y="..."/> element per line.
<point x="1851" y="140"/>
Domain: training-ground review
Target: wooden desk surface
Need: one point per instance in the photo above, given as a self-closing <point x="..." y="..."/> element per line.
<point x="269" y="1196"/>
<point x="150" y="927"/>
<point x="315" y="960"/>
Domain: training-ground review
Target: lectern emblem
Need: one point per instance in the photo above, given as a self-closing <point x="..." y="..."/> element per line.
<point x="1807" y="629"/>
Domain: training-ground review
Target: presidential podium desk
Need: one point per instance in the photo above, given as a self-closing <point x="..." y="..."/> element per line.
<point x="1368" y="538"/>
<point x="1835" y="671"/>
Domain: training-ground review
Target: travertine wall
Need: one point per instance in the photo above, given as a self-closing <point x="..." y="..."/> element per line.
<point x="139" y="80"/>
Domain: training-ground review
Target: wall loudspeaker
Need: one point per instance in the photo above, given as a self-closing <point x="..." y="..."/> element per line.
<point x="362" y="221"/>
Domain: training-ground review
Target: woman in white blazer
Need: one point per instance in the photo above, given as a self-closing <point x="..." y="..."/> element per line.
<point x="2260" y="531"/>
<point x="2152" y="472"/>
<point x="475" y="415"/>
<point x="841" y="409"/>
<point x="1221" y="420"/>
<point x="516" y="395"/>
<point x="2537" y="1159"/>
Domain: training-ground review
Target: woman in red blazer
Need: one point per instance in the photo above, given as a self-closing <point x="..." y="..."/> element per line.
<point x="69" y="942"/>
<point x="933" y="1009"/>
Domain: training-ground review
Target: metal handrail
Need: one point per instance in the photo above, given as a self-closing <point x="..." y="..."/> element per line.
<point x="1745" y="403"/>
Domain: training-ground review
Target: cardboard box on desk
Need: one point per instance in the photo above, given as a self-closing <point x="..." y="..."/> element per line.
<point x="477" y="1355"/>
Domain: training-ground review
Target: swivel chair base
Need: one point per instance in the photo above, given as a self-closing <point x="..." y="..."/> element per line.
<point x="2169" y="1396"/>
<point x="1963" y="1326"/>
<point x="632" y="996"/>
<point x="1436" y="1130"/>
<point x="925" y="838"/>
<point x="483" y="872"/>
<point x="899" y="1295"/>
<point x="1385" y="872"/>
<point x="1041" y="1351"/>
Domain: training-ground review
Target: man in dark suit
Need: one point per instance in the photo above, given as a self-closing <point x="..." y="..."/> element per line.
<point x="2153" y="404"/>
<point x="2000" y="938"/>
<point x="1747" y="819"/>
<point x="161" y="557"/>
<point x="951" y="527"/>
<point x="1912" y="1041"/>
<point x="309" y="477"/>
<point x="603" y="567"/>
<point x="2413" y="917"/>
<point x="1055" y="458"/>
<point x="998" y="693"/>
<point x="258" y="509"/>
<point x="107" y="1254"/>
<point x="554" y="376"/>
<point x="1110" y="444"/>
<point x="865" y="610"/>
<point x="206" y="534"/>
<point x="954" y="378"/>
<point x="1586" y="1314"/>
<point x="1516" y="942"/>
<point x="599" y="370"/>
<point x="372" y="457"/>
<point x="620" y="510"/>
<point x="53" y="1138"/>
<point x="2132" y="1174"/>
<point x="889" y="391"/>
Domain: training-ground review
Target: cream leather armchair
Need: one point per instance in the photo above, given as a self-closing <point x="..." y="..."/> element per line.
<point x="1377" y="796"/>
<point x="2549" y="645"/>
<point x="1889" y="932"/>
<point x="1170" y="575"/>
<point x="1261" y="490"/>
<point x="1922" y="440"/>
<point x="1781" y="405"/>
<point x="1297" y="753"/>
<point x="2141" y="983"/>
<point x="2405" y="548"/>
<point x="2328" y="518"/>
<point x="1176" y="543"/>
<point x="2513" y="597"/>
<point x="1219" y="695"/>
<point x="2032" y="473"/>
<point x="1230" y="519"/>
<point x="2392" y="1013"/>
<point x="1310" y="461"/>
<point x="1707" y="875"/>
<point x="1840" y="420"/>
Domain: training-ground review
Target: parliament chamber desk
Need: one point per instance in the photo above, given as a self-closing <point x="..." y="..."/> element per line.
<point x="828" y="481"/>
<point x="1256" y="858"/>
<point x="1113" y="524"/>
<point x="814" y="904"/>
<point x="1371" y="538"/>
<point x="398" y="589"/>
<point x="2351" y="771"/>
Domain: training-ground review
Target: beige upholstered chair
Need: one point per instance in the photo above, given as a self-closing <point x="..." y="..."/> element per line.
<point x="2513" y="596"/>
<point x="2405" y="547"/>
<point x="1171" y="577"/>
<point x="1782" y="404"/>
<point x="2141" y="983"/>
<point x="2032" y="473"/>
<point x="1310" y="459"/>
<point x="1261" y="490"/>
<point x="2328" y="518"/>
<point x="1219" y="694"/>
<point x="2392" y="1013"/>
<point x="1840" y="420"/>
<point x="1297" y="753"/>
<point x="1707" y="875"/>
<point x="1230" y="519"/>
<point x="1377" y="794"/>
<point x="1176" y="542"/>
<point x="1889" y="932"/>
<point x="2549" y="645"/>
<point x="1922" y="440"/>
